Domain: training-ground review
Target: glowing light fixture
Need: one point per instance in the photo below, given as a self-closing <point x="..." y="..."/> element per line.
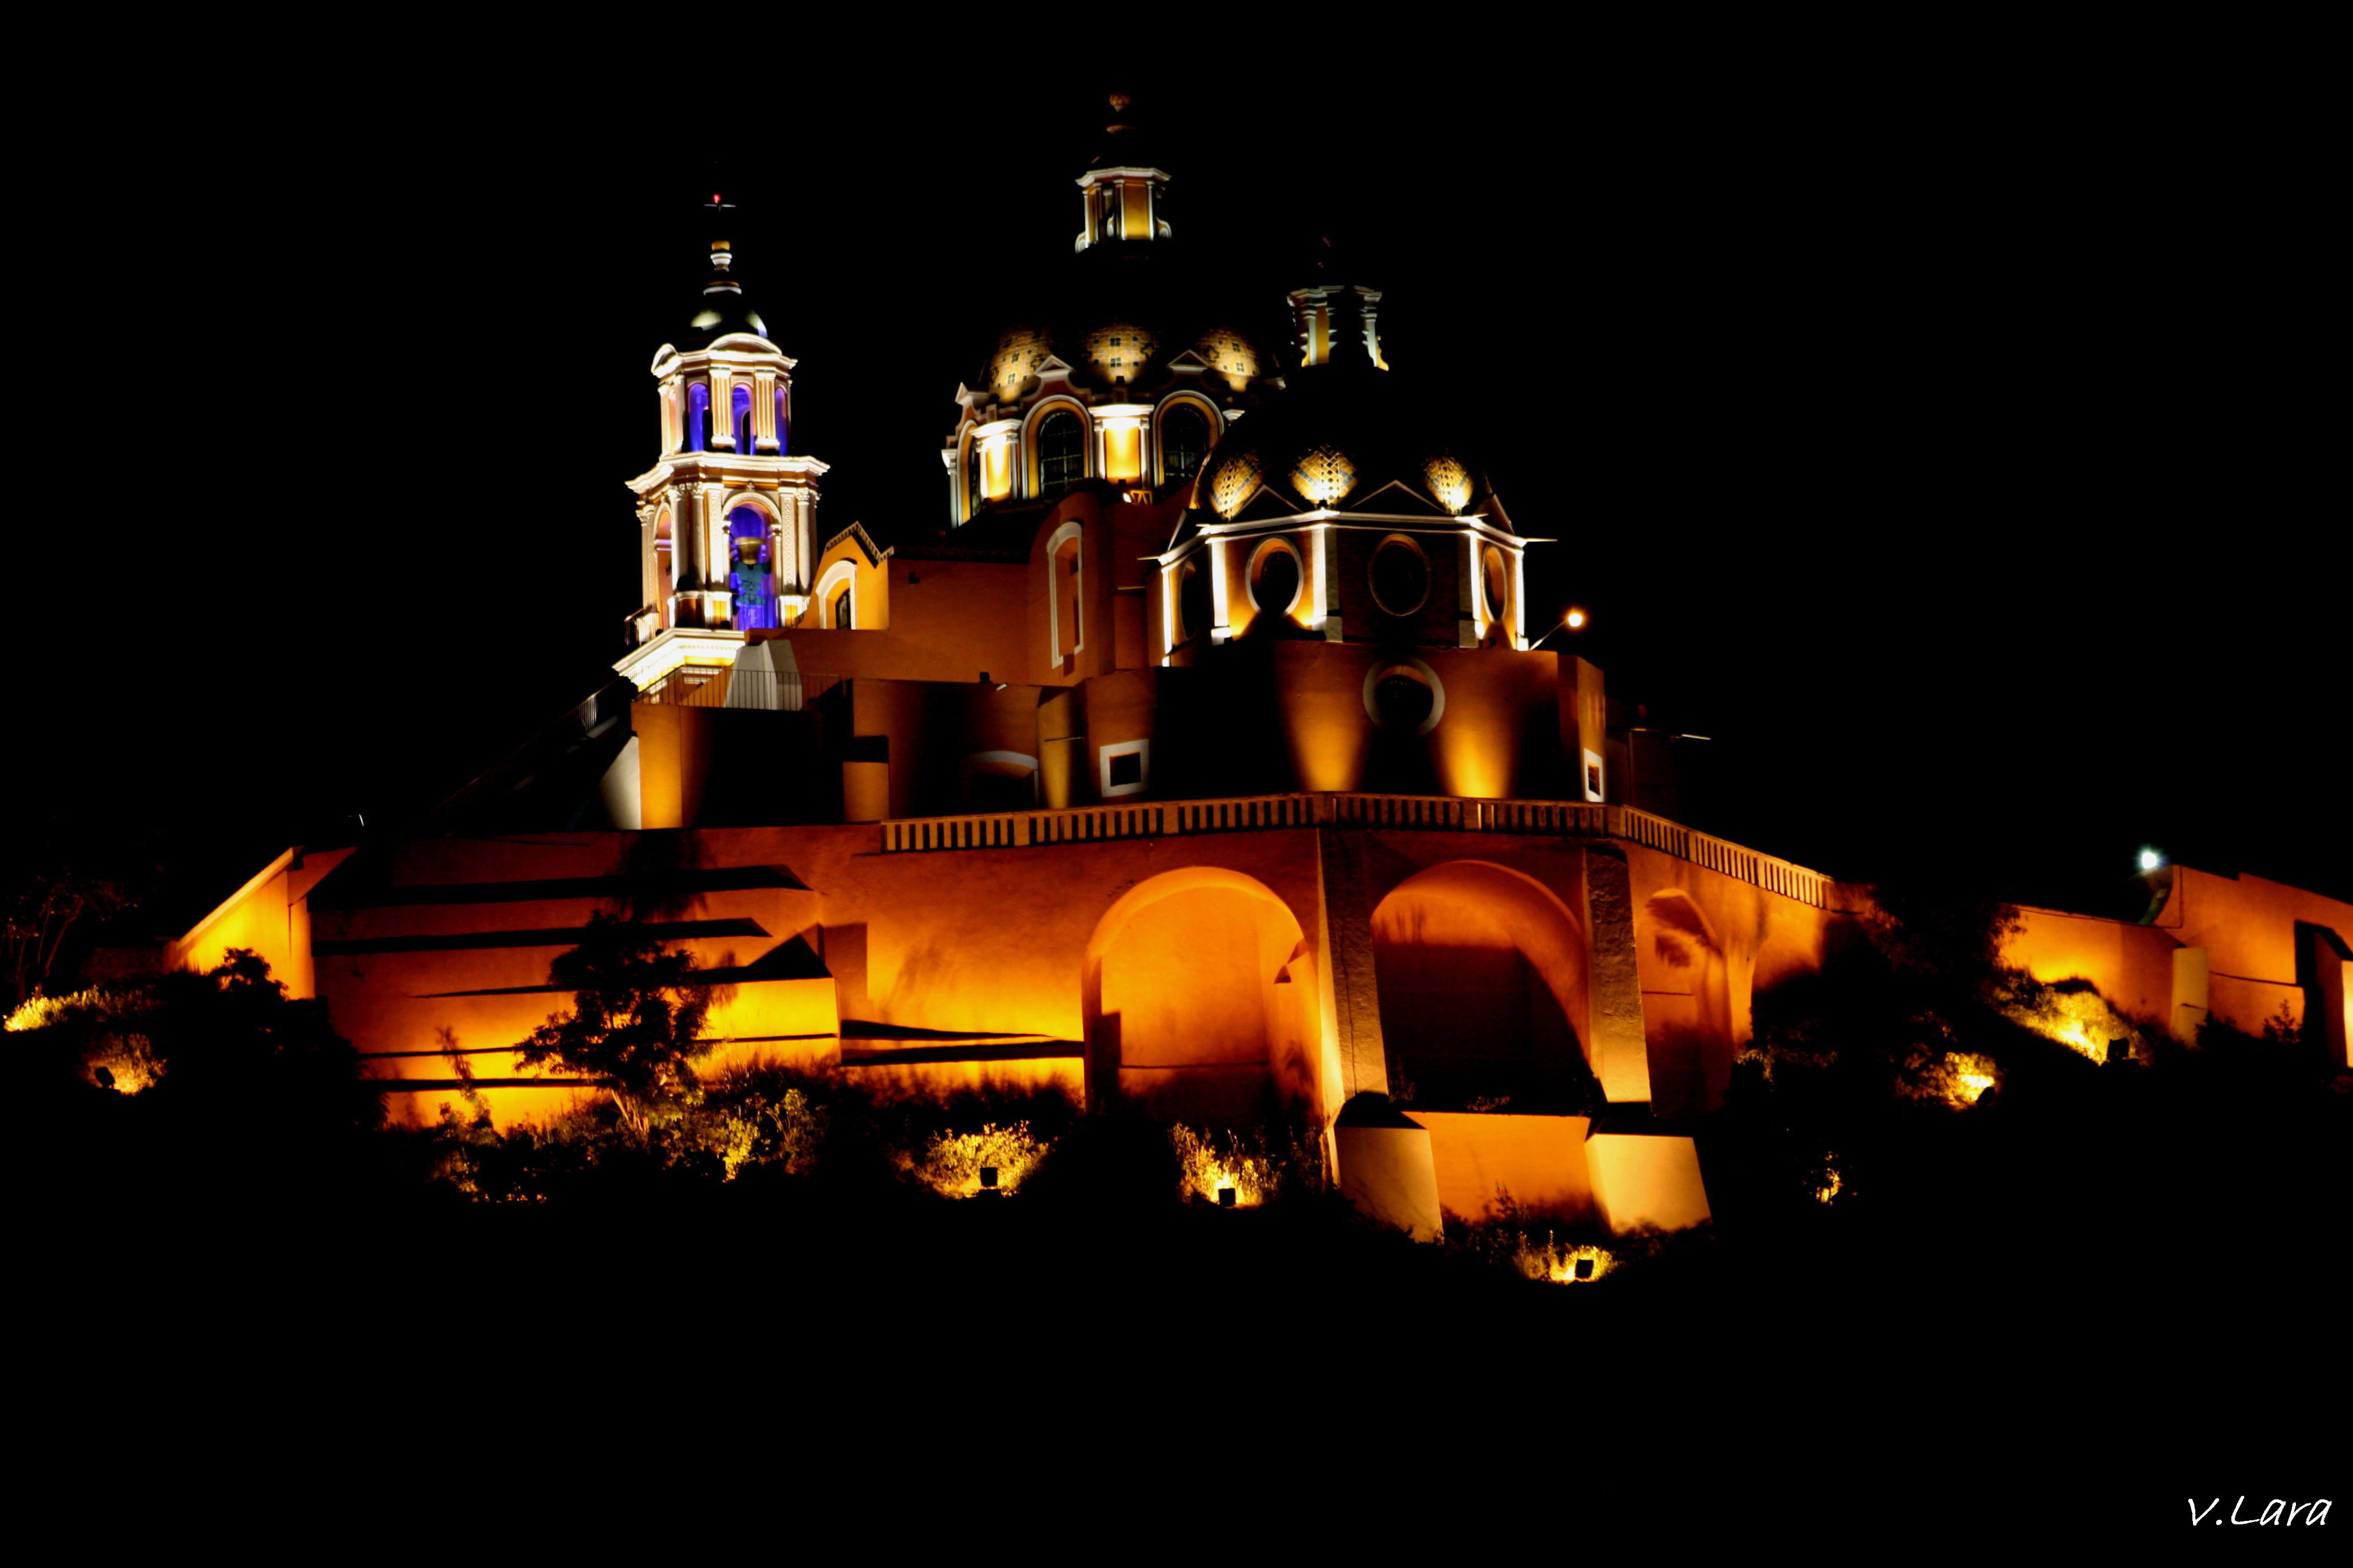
<point x="2151" y="859"/>
<point x="1225" y="1197"/>
<point x="1574" y="619"/>
<point x="989" y="1178"/>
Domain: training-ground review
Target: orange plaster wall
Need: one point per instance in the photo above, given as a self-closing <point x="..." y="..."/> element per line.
<point x="949" y="620"/>
<point x="271" y="916"/>
<point x="870" y="591"/>
<point x="2130" y="965"/>
<point x="1538" y="1160"/>
<point x="2247" y="925"/>
<point x="1699" y="984"/>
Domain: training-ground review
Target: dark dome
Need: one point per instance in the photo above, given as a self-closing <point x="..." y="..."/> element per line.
<point x="724" y="310"/>
<point x="1334" y="437"/>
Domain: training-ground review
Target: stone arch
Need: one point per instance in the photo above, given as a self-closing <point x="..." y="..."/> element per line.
<point x="1200" y="1000"/>
<point x="1483" y="975"/>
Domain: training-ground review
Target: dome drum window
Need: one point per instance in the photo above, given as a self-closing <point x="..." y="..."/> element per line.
<point x="1061" y="452"/>
<point x="1183" y="442"/>
<point x="1277" y="579"/>
<point x="1399" y="577"/>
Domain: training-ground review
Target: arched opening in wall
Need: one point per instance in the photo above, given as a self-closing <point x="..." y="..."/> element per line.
<point x="665" y="565"/>
<point x="741" y="420"/>
<point x="1277" y="582"/>
<point x="838" y="614"/>
<point x="783" y="426"/>
<point x="1066" y="568"/>
<point x="1482" y="972"/>
<point x="753" y="575"/>
<point x="1061" y="452"/>
<point x="1495" y="590"/>
<point x="998" y="780"/>
<point x="698" y="418"/>
<point x="1200" y="1001"/>
<point x="1183" y="442"/>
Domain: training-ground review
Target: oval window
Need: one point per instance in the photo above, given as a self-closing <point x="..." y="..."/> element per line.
<point x="1275" y="579"/>
<point x="1498" y="576"/>
<point x="1400" y="577"/>
<point x="1403" y="701"/>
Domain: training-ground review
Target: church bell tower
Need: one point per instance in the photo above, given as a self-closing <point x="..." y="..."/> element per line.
<point x="727" y="518"/>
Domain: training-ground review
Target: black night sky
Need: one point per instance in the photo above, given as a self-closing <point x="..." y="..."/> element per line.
<point x="1940" y="441"/>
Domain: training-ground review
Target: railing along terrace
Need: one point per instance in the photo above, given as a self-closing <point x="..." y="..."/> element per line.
<point x="1096" y="823"/>
<point x="759" y="690"/>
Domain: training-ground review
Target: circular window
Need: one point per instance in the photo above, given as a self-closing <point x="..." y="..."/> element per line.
<point x="1192" y="602"/>
<point x="1275" y="578"/>
<point x="1400" y="576"/>
<point x="1405" y="697"/>
<point x="1498" y="582"/>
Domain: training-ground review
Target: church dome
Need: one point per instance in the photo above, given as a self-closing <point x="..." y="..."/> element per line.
<point x="1337" y="436"/>
<point x="723" y="307"/>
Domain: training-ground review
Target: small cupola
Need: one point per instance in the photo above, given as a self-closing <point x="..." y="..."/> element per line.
<point x="1121" y="188"/>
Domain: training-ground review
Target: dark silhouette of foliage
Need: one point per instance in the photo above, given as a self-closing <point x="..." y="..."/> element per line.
<point x="636" y="1021"/>
<point x="1944" y="935"/>
<point x="55" y="887"/>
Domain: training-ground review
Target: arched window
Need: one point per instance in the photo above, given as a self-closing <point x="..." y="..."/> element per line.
<point x="743" y="420"/>
<point x="1183" y="442"/>
<point x="698" y="418"/>
<point x="839" y="616"/>
<point x="1061" y="452"/>
<point x="665" y="569"/>
<point x="783" y="442"/>
<point x="753" y="576"/>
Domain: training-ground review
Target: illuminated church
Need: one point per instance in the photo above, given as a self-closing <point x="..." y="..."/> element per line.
<point x="1205" y="760"/>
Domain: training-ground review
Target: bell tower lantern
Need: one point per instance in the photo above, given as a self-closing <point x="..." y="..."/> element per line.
<point x="727" y="517"/>
<point x="1121" y="188"/>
